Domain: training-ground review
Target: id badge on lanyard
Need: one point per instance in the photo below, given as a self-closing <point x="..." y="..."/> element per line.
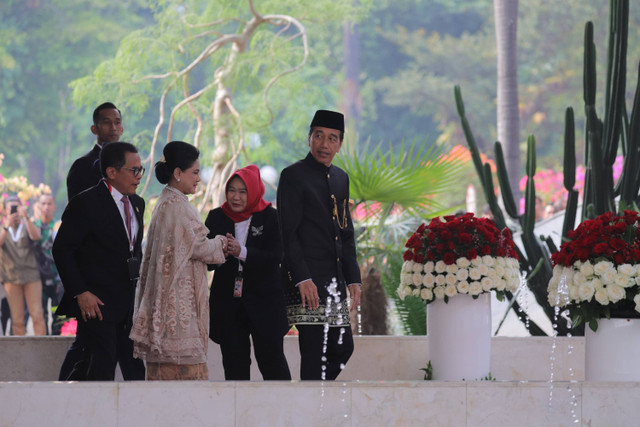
<point x="237" y="284"/>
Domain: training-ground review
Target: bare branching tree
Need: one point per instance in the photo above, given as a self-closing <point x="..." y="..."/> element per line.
<point x="224" y="115"/>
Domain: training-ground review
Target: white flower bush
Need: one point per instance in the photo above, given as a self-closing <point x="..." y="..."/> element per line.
<point x="585" y="282"/>
<point x="438" y="280"/>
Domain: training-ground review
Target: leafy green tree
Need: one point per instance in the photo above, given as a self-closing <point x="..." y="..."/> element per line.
<point x="44" y="44"/>
<point x="549" y="70"/>
<point x="385" y="38"/>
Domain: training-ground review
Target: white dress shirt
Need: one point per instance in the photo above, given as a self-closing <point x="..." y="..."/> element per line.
<point x="242" y="231"/>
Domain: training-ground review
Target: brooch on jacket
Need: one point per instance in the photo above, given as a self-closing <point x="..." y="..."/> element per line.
<point x="256" y="231"/>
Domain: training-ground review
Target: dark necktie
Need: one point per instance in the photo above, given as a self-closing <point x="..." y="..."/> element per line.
<point x="127" y="217"/>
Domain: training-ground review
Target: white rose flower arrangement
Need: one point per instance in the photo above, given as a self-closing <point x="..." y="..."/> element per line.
<point x="459" y="255"/>
<point x="596" y="274"/>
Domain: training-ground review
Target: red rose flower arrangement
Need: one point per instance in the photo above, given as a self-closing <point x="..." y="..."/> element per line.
<point x="459" y="236"/>
<point x="595" y="273"/>
<point x="459" y="254"/>
<point x="608" y="237"/>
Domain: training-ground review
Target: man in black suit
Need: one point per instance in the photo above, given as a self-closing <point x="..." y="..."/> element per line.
<point x="97" y="252"/>
<point x="85" y="171"/>
<point x="319" y="250"/>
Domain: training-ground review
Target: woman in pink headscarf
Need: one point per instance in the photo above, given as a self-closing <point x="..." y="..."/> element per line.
<point x="247" y="299"/>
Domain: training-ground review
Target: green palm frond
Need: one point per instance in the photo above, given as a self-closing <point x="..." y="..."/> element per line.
<point x="394" y="193"/>
<point x="411" y="180"/>
<point x="394" y="231"/>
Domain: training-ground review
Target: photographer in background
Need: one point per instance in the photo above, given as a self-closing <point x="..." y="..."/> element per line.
<point x="18" y="266"/>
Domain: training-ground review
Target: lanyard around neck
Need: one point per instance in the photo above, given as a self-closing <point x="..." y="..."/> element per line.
<point x="16" y="236"/>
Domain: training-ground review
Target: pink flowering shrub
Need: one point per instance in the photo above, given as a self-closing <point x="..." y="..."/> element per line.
<point x="550" y="183"/>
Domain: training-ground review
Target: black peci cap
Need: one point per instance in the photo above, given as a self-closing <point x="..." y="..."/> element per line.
<point x="328" y="119"/>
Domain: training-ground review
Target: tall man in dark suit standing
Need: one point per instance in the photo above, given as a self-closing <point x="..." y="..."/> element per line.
<point x="319" y="250"/>
<point x="85" y="171"/>
<point x="97" y="252"/>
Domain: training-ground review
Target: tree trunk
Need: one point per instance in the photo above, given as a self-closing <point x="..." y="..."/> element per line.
<point x="508" y="114"/>
<point x="373" y="305"/>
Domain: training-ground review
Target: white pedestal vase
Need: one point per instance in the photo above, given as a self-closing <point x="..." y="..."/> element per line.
<point x="612" y="353"/>
<point x="459" y="337"/>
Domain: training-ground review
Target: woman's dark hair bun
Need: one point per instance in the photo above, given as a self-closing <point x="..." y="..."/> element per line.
<point x="162" y="172"/>
<point x="176" y="154"/>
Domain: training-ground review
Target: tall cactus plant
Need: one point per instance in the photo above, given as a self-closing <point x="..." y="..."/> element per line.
<point x="569" y="173"/>
<point x="535" y="258"/>
<point x="603" y="138"/>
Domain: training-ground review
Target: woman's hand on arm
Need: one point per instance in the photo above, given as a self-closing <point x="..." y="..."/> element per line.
<point x="224" y="242"/>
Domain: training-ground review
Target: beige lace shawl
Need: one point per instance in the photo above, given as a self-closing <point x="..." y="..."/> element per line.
<point x="171" y="314"/>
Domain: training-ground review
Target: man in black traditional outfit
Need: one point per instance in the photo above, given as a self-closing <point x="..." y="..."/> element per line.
<point x="319" y="251"/>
